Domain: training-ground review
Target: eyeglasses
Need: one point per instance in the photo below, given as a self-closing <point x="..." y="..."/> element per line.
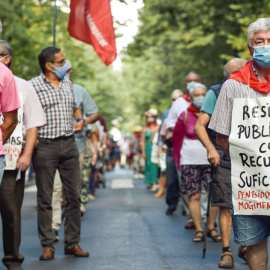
<point x="2" y="54"/>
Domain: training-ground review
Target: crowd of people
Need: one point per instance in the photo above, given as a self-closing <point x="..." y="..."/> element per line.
<point x="187" y="153"/>
<point x="56" y="124"/>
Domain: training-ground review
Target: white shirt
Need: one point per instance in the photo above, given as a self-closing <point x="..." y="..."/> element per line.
<point x="177" y="108"/>
<point x="193" y="153"/>
<point x="33" y="114"/>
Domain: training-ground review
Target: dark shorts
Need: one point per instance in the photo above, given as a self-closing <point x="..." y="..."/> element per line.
<point x="221" y="187"/>
<point x="193" y="177"/>
<point x="250" y="230"/>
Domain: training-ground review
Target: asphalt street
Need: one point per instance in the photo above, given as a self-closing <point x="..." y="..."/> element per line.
<point x="124" y="228"/>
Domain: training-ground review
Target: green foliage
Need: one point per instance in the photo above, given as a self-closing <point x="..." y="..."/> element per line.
<point x="174" y="38"/>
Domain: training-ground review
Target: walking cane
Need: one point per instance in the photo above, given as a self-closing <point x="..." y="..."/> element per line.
<point x="207" y="215"/>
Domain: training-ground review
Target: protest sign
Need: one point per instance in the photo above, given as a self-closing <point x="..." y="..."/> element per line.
<point x="13" y="147"/>
<point x="250" y="156"/>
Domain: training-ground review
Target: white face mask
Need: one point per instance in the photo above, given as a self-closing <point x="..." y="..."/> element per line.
<point x="3" y="58"/>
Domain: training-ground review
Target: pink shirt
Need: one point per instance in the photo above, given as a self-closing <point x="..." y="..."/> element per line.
<point x="9" y="99"/>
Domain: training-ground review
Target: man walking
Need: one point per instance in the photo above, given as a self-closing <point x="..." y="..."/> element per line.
<point x="221" y="187"/>
<point x="251" y="83"/>
<point x="31" y="116"/>
<point x="57" y="150"/>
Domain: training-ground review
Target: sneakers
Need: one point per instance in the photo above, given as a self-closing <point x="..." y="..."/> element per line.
<point x="82" y="208"/>
<point x="226" y="260"/>
<point x="91" y="197"/>
<point x="154" y="188"/>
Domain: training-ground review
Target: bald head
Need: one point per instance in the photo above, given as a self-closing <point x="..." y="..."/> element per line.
<point x="233" y="65"/>
<point x="177" y="93"/>
<point x="192" y="77"/>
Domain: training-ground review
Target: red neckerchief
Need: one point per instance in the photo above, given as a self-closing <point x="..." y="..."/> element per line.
<point x="193" y="109"/>
<point x="149" y="126"/>
<point x="246" y="76"/>
<point x="137" y="135"/>
<point x="186" y="97"/>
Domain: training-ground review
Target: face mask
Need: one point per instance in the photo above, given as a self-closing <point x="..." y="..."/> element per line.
<point x="3" y="58"/>
<point x="67" y="76"/>
<point x="60" y="72"/>
<point x="190" y="86"/>
<point x="262" y="55"/>
<point x="150" y="120"/>
<point x="198" y="102"/>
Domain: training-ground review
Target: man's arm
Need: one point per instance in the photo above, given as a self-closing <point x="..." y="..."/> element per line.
<point x="223" y="142"/>
<point x="25" y="159"/>
<point x="92" y="118"/>
<point x="79" y="125"/>
<point x="9" y="124"/>
<point x="200" y="130"/>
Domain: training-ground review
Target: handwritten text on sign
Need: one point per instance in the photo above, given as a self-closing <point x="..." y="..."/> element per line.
<point x="250" y="156"/>
<point x="13" y="146"/>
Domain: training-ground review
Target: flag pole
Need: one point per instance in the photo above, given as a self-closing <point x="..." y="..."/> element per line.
<point x="54" y="22"/>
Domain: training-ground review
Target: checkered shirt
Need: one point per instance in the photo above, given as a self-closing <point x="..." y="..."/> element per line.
<point x="58" y="106"/>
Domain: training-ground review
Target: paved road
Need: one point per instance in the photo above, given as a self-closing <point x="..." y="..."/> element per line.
<point x="123" y="229"/>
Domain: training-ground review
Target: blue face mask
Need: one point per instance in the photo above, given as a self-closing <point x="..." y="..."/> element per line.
<point x="60" y="72"/>
<point x="262" y="55"/>
<point x="190" y="85"/>
<point x="198" y="102"/>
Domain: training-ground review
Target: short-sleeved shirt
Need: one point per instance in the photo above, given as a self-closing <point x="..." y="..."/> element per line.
<point x="178" y="106"/>
<point x="33" y="114"/>
<point x="89" y="107"/>
<point x="209" y="102"/>
<point x="58" y="106"/>
<point x="9" y="98"/>
<point x="222" y="115"/>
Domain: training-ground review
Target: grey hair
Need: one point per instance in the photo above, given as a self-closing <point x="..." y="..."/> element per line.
<point x="1" y="27"/>
<point x="196" y="85"/>
<point x="6" y="49"/>
<point x="177" y="92"/>
<point x="233" y="65"/>
<point x="260" y="25"/>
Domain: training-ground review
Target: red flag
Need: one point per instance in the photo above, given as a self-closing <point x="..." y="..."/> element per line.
<point x="91" y="21"/>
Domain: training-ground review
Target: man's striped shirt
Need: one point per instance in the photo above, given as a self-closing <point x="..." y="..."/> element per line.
<point x="222" y="115"/>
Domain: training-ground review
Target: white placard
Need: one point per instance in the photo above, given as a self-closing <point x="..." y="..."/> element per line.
<point x="13" y="147"/>
<point x="250" y="156"/>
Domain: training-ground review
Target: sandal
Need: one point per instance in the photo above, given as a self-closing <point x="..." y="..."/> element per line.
<point x="199" y="236"/>
<point x="216" y="237"/>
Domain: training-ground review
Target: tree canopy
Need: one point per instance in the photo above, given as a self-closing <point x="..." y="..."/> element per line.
<point x="174" y="37"/>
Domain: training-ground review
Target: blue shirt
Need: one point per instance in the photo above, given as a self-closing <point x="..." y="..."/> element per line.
<point x="89" y="107"/>
<point x="209" y="102"/>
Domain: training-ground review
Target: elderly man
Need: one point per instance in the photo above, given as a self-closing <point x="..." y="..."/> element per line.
<point x="57" y="150"/>
<point x="251" y="82"/>
<point x="10" y="103"/>
<point x="31" y="116"/>
<point x="221" y="188"/>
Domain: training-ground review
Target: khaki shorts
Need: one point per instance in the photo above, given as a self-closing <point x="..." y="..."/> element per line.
<point x="221" y="187"/>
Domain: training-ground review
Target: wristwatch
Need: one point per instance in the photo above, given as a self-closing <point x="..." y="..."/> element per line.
<point x="79" y="119"/>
